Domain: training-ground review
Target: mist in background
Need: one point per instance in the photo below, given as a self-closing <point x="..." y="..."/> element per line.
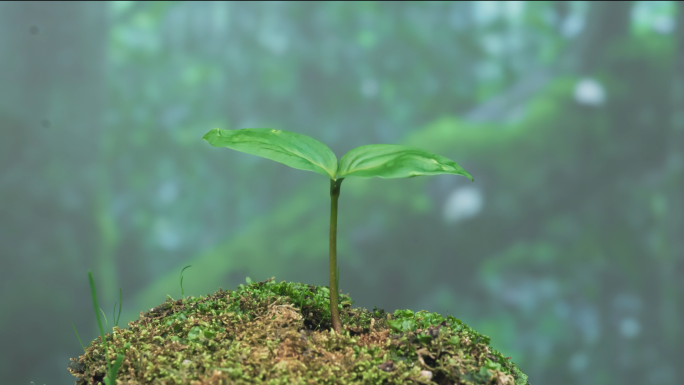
<point x="567" y="250"/>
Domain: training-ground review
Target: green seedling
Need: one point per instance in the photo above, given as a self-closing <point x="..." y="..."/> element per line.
<point x="113" y="310"/>
<point x="181" y="281"/>
<point x="79" y="341"/>
<point x="302" y="152"/>
<point x="110" y="379"/>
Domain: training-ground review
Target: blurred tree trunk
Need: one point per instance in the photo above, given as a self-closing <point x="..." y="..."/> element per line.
<point x="52" y="66"/>
<point x="671" y="220"/>
<point x="607" y="21"/>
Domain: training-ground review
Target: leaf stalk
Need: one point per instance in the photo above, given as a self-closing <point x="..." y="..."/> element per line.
<point x="334" y="311"/>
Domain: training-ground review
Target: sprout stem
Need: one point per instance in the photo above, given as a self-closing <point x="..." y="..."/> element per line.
<point x="334" y="311"/>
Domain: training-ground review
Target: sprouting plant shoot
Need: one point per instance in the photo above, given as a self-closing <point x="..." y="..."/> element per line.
<point x="79" y="341"/>
<point x="299" y="151"/>
<point x="110" y="379"/>
<point x="181" y="280"/>
<point x="114" y="310"/>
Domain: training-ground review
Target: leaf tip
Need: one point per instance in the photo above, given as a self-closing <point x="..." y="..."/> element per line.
<point x="211" y="133"/>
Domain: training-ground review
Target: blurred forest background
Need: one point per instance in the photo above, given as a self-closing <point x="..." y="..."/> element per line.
<point x="568" y="250"/>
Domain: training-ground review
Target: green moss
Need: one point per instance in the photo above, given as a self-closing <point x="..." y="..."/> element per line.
<point x="280" y="333"/>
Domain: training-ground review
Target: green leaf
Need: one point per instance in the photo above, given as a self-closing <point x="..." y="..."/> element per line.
<point x="424" y="338"/>
<point x="394" y="161"/>
<point x="289" y="148"/>
<point x="194" y="333"/>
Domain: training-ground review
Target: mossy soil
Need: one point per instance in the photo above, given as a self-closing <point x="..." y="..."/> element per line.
<point x="280" y="333"/>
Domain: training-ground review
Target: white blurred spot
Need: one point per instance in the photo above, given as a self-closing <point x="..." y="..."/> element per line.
<point x="168" y="192"/>
<point x="275" y="42"/>
<point x="578" y="362"/>
<point x="663" y="24"/>
<point x="572" y="25"/>
<point x="167" y="237"/>
<point x="629" y="327"/>
<point x="121" y="6"/>
<point x="484" y="12"/>
<point x="655" y="15"/>
<point x="522" y="295"/>
<point x="589" y="92"/>
<point x="462" y="203"/>
<point x="492" y="44"/>
<point x="513" y="9"/>
<point x="369" y="88"/>
<point x="588" y="322"/>
<point x="489" y="71"/>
